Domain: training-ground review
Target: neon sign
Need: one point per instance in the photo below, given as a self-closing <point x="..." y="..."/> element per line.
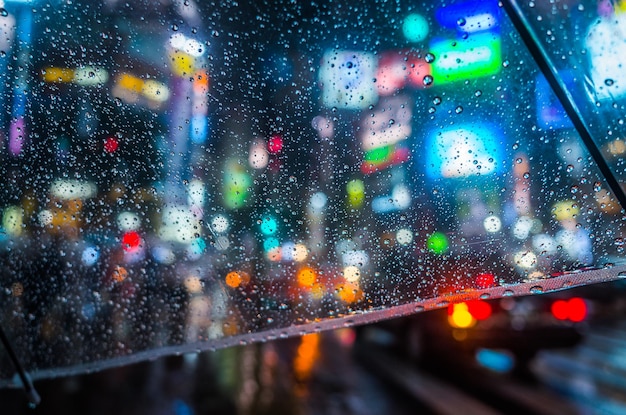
<point x="478" y="55"/>
<point x="382" y="132"/>
<point x="464" y="151"/>
<point x="347" y="79"/>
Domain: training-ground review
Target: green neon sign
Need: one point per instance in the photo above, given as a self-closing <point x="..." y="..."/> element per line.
<point x="457" y="60"/>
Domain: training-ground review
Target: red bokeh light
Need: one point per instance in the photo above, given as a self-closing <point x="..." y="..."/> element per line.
<point x="560" y="309"/>
<point x="485" y="280"/>
<point x="480" y="310"/>
<point x="574" y="309"/>
<point x="111" y="144"/>
<point x="275" y="144"/>
<point x="131" y="241"/>
<point x="577" y="309"/>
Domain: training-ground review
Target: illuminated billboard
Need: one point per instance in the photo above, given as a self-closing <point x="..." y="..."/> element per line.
<point x="472" y="149"/>
<point x="398" y="69"/>
<point x="382" y="132"/>
<point x="470" y="16"/>
<point x="457" y="60"/>
<point x="605" y="46"/>
<point x="347" y="79"/>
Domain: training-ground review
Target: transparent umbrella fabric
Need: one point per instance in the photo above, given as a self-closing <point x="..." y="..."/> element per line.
<point x="184" y="176"/>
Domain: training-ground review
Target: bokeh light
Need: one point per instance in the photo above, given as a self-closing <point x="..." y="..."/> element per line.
<point x="131" y="241"/>
<point x="415" y="27"/>
<point x="459" y="316"/>
<point x="111" y="144"/>
<point x="306" y="276"/>
<point x="437" y="243"/>
<point x="235" y="279"/>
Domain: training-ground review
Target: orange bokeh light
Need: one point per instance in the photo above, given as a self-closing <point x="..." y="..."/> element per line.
<point x="306" y="276"/>
<point x="235" y="279"/>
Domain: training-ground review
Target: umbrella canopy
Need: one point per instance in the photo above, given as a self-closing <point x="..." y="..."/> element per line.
<point x="179" y="176"/>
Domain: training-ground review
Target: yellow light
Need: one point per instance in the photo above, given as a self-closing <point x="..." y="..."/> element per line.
<point x="306" y="276"/>
<point x="12" y="220"/>
<point x="567" y="209"/>
<point x="54" y="74"/>
<point x="461" y="317"/>
<point x="356" y="193"/>
<point x="130" y="82"/>
<point x="317" y="291"/>
<point x="182" y="64"/>
<point x="155" y="90"/>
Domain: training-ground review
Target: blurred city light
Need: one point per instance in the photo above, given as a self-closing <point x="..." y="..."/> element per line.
<point x="348" y="79"/>
<point x="459" y="316"/>
<point x="415" y="27"/>
<point x="131" y="241"/>
<point x="574" y="309"/>
<point x="437" y="243"/>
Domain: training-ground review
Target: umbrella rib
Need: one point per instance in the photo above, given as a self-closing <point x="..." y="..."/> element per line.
<point x="27" y="384"/>
<point x="565" y="98"/>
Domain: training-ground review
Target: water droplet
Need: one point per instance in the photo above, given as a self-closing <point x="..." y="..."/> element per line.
<point x="621" y="274"/>
<point x="485" y="296"/>
<point x="574" y="189"/>
<point x="437" y="100"/>
<point x="461" y="21"/>
<point x="419" y="308"/>
<point x="519" y="160"/>
<point x="458" y="109"/>
<point x="443" y="303"/>
<point x="537" y="289"/>
<point x="526" y="175"/>
<point x="478" y="93"/>
<point x="569" y="168"/>
<point x="609" y="82"/>
<point x="118" y="102"/>
<point x="508" y="293"/>
<point x="3" y="12"/>
<point x="175" y="27"/>
<point x="506" y="63"/>
<point x="428" y="79"/>
<point x="432" y="110"/>
<point x="597" y="186"/>
<point x="429" y="58"/>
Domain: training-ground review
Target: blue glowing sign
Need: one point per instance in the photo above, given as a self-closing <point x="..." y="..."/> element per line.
<point x="472" y="149"/>
<point x="470" y="16"/>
